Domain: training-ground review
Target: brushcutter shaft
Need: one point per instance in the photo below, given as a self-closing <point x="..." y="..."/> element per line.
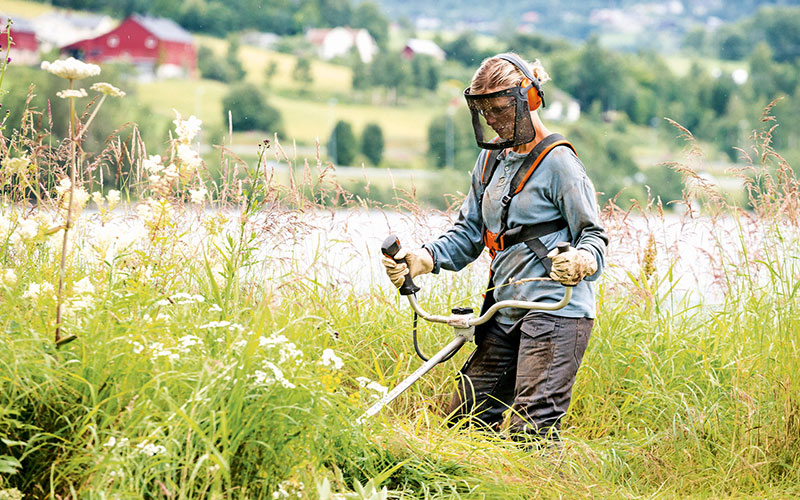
<point x="453" y="346"/>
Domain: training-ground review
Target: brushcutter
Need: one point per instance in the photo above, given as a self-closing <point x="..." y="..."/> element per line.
<point x="461" y="319"/>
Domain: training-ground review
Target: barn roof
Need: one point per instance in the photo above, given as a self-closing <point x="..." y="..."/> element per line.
<point x="165" y="29"/>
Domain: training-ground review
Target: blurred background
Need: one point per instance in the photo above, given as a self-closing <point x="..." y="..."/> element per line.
<point x="374" y="85"/>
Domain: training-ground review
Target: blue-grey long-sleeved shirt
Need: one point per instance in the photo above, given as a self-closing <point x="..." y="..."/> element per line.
<point x="558" y="188"/>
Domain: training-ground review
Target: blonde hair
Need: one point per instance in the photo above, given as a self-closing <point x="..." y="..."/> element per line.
<point x="495" y="73"/>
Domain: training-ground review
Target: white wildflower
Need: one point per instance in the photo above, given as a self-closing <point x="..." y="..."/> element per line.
<point x="186" y="298"/>
<point x="116" y="474"/>
<point x="329" y="358"/>
<point x="28" y="229"/>
<point x="36" y="289"/>
<point x="71" y="68"/>
<point x="107" y="89"/>
<point x="113" y="199"/>
<point x="112" y="442"/>
<point x="83" y="287"/>
<point x="150" y="449"/>
<point x="198" y="195"/>
<point x="8" y="277"/>
<point x="16" y="165"/>
<point x="11" y="494"/>
<point x="158" y="350"/>
<point x="63" y="186"/>
<point x="271" y="375"/>
<point x="162" y="303"/>
<point x="153" y="164"/>
<point x="214" y="308"/>
<point x="363" y="381"/>
<point x="216" y="324"/>
<point x="137" y="347"/>
<point x="187" y="341"/>
<point x="374" y="386"/>
<point x="71" y="93"/>
<point x="98" y="199"/>
<point x="187" y="129"/>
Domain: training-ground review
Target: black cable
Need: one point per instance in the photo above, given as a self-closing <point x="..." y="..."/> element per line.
<point x="416" y="344"/>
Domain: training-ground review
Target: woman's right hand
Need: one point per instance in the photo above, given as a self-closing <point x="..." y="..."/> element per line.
<point x="417" y="261"/>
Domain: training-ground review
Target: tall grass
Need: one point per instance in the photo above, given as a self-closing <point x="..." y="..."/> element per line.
<point x="226" y="349"/>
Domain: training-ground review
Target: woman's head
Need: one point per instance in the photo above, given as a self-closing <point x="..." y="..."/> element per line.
<point x="497" y="74"/>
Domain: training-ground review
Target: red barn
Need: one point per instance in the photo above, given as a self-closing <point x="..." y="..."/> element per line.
<point x="152" y="44"/>
<point x="26" y="48"/>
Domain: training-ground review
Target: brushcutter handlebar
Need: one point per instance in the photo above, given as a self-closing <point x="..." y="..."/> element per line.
<point x="389" y="248"/>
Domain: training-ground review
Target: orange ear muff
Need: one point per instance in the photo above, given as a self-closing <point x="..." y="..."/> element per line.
<point x="534" y="99"/>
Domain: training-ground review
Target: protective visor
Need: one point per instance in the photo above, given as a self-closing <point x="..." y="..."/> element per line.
<point x="501" y="119"/>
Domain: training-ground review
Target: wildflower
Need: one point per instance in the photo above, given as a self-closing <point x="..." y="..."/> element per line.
<point x="98" y="199"/>
<point x="11" y="493"/>
<point x="276" y="376"/>
<point x="107" y="89"/>
<point x="113" y="199"/>
<point x="153" y="164"/>
<point x="8" y="277"/>
<point x="214" y="308"/>
<point x="187" y="129"/>
<point x="216" y="324"/>
<point x="112" y="442"/>
<point x="185" y="298"/>
<point x="80" y="194"/>
<point x="36" y="289"/>
<point x="70" y="93"/>
<point x="330" y="358"/>
<point x="150" y="449"/>
<point x="371" y="385"/>
<point x="16" y="165"/>
<point x="198" y="195"/>
<point x="84" y="287"/>
<point x="71" y="68"/>
<point x="28" y="229"/>
<point x="187" y="341"/>
<point x="160" y="351"/>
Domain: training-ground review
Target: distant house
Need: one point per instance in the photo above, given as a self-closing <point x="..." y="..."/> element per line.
<point x="56" y="29"/>
<point x="560" y="107"/>
<point x="260" y="39"/>
<point x="335" y="42"/>
<point x="418" y="46"/>
<point x="26" y="48"/>
<point x="153" y="45"/>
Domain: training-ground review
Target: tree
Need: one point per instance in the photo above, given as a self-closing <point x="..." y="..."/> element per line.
<point x="368" y="15"/>
<point x="302" y="73"/>
<point x="250" y="111"/>
<point x="425" y="71"/>
<point x="342" y="144"/>
<point x="232" y="59"/>
<point x="451" y="141"/>
<point x="372" y="143"/>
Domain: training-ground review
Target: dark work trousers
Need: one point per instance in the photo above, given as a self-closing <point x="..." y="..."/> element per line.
<point x="529" y="367"/>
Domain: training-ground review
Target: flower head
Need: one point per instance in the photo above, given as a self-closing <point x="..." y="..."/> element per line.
<point x="198" y="195"/>
<point x="70" y="93"/>
<point x="71" y="69"/>
<point x="186" y="129"/>
<point x="107" y="89"/>
<point x="16" y="165"/>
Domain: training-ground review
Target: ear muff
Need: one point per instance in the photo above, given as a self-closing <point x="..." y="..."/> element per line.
<point x="534" y="93"/>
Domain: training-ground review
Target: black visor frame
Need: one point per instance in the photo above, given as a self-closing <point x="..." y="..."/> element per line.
<point x="523" y="126"/>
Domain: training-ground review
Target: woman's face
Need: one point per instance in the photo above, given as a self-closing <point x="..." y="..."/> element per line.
<point x="499" y="114"/>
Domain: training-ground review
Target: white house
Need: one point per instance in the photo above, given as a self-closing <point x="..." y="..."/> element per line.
<point x="561" y="107"/>
<point x="339" y="41"/>
<point x="416" y="46"/>
<point x="56" y="29"/>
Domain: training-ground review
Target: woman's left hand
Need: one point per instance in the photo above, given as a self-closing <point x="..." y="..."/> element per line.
<point x="570" y="267"/>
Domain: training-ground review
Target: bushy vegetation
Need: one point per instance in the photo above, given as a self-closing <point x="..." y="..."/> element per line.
<point x="219" y="348"/>
<point x="372" y="143"/>
<point x="342" y="145"/>
<point x="249" y="110"/>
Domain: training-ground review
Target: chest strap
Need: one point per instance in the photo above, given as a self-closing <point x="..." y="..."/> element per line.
<point x="529" y="234"/>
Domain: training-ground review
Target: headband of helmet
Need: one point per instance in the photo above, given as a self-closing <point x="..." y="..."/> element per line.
<point x="535" y="98"/>
<point x="492" y="112"/>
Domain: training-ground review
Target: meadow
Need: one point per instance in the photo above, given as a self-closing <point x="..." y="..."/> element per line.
<point x="194" y="338"/>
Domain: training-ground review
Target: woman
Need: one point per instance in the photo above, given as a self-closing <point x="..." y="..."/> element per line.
<point x="526" y="362"/>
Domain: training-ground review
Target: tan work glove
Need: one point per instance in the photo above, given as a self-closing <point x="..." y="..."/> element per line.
<point x="572" y="266"/>
<point x="419" y="262"/>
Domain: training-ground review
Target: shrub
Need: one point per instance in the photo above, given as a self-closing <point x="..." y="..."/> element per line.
<point x="372" y="143"/>
<point x="342" y="144"/>
<point x="250" y="111"/>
